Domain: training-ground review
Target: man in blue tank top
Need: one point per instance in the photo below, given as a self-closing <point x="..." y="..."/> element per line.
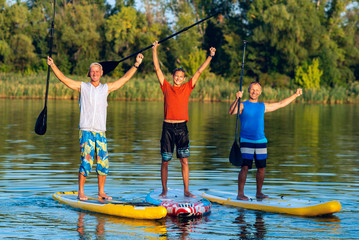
<point x="252" y="138"/>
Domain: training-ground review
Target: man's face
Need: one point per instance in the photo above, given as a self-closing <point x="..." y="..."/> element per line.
<point x="178" y="78"/>
<point x="95" y="73"/>
<point x="255" y="91"/>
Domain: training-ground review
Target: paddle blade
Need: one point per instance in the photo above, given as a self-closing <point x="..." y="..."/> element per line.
<point x="41" y="122"/>
<point x="108" y="66"/>
<point x="235" y="156"/>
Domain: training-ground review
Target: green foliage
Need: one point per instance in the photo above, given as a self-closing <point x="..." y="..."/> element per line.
<point x="284" y="32"/>
<point x="121" y="28"/>
<point x="308" y="77"/>
<point x="190" y="40"/>
<point x="78" y="34"/>
<point x="281" y="35"/>
<point x="23" y="51"/>
<point x="275" y="80"/>
<point x="194" y="61"/>
<point x="5" y="51"/>
<point x="146" y="87"/>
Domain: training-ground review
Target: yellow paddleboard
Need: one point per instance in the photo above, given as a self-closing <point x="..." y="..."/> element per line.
<point x="112" y="207"/>
<point x="293" y="207"/>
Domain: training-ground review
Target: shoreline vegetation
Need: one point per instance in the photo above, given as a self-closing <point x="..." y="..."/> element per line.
<point x="146" y="88"/>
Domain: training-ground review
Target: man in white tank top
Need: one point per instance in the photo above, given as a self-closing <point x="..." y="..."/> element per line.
<point x="93" y="113"/>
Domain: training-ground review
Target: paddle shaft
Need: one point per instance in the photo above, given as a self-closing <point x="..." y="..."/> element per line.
<point x="50" y="54"/>
<point x="165" y="39"/>
<point x="240" y="89"/>
<point x="41" y="122"/>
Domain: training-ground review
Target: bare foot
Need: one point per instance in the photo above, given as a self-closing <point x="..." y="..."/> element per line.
<point x="261" y="195"/>
<point x="188" y="194"/>
<point x="242" y="197"/>
<point x="103" y="196"/>
<point x="82" y="197"/>
<point x="163" y="194"/>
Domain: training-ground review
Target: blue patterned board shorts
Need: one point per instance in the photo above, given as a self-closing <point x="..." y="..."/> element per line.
<point x="89" y="143"/>
<point x="257" y="151"/>
<point x="174" y="134"/>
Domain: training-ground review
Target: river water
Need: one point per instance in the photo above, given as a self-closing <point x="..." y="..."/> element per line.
<point x="313" y="154"/>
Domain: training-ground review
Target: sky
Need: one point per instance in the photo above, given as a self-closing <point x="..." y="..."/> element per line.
<point x="112" y="2"/>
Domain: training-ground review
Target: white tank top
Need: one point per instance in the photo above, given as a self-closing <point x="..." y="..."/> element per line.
<point x="93" y="107"/>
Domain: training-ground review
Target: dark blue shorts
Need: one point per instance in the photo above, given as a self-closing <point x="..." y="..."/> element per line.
<point x="257" y="151"/>
<point x="174" y="134"/>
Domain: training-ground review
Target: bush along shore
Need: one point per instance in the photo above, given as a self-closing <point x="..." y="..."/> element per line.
<point x="146" y="88"/>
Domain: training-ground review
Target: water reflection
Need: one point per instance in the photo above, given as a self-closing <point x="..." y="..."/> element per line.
<point x="123" y="226"/>
<point x="186" y="226"/>
<point x="250" y="229"/>
<point x="83" y="234"/>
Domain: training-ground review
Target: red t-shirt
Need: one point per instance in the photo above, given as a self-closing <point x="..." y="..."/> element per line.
<point x="176" y="100"/>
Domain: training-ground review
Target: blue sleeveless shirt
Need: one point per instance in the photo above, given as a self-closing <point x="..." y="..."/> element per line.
<point x="252" y="122"/>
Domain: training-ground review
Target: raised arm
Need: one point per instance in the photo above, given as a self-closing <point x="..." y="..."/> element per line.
<point x="156" y="64"/>
<point x="74" y="85"/>
<point x="270" y="107"/>
<point x="128" y="75"/>
<point x="195" y="77"/>
<point x="233" y="109"/>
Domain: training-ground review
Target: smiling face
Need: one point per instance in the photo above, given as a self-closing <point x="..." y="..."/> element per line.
<point x="95" y="74"/>
<point x="178" y="78"/>
<point x="254" y="91"/>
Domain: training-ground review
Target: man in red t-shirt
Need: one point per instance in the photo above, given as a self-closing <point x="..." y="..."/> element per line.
<point x="174" y="131"/>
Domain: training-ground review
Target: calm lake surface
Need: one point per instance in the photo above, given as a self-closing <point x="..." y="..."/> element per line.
<point x="313" y="154"/>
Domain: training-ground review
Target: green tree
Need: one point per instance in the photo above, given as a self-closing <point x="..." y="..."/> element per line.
<point x="127" y="32"/>
<point x="17" y="50"/>
<point x="188" y="41"/>
<point x="308" y="77"/>
<point x="194" y="60"/>
<point x="121" y="28"/>
<point x="285" y="33"/>
<point x="77" y="35"/>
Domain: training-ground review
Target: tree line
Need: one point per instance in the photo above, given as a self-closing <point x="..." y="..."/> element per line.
<point x="301" y="42"/>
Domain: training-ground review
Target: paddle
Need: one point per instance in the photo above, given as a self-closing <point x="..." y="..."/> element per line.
<point x="41" y="122"/>
<point x="235" y="156"/>
<point x="108" y="66"/>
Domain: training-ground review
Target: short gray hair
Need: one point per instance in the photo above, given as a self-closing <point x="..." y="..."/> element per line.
<point x="95" y="64"/>
<point x="91" y="65"/>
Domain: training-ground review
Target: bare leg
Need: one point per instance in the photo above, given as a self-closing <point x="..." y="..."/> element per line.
<point x="185" y="176"/>
<point x="101" y="187"/>
<point x="242" y="176"/>
<point x="81" y="194"/>
<point x="260" y="179"/>
<point x="164" y="176"/>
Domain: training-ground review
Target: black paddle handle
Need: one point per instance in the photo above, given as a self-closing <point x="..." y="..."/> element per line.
<point x="166" y="38"/>
<point x="50" y="53"/>
<point x="240" y="89"/>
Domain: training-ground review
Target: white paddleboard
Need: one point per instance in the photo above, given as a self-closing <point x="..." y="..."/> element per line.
<point x="275" y="205"/>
